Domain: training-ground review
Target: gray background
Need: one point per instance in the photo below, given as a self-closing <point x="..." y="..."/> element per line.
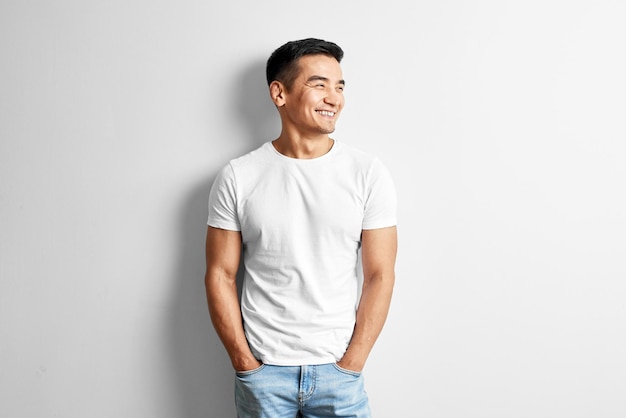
<point x="501" y="121"/>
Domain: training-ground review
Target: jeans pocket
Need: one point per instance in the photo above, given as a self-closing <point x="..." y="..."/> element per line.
<point x="250" y="372"/>
<point x="346" y="371"/>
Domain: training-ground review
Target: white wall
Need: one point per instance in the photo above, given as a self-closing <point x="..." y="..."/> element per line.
<point x="501" y="121"/>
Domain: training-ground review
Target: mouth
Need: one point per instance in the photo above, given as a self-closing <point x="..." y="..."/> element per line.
<point x="326" y="113"/>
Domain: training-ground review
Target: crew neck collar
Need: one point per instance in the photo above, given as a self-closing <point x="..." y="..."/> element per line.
<point x="331" y="151"/>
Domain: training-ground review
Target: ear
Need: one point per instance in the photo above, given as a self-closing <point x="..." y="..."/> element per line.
<point x="277" y="93"/>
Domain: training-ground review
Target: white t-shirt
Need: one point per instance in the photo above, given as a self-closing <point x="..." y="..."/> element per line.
<point x="301" y="223"/>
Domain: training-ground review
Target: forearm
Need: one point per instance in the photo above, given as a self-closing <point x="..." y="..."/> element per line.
<point x="225" y="314"/>
<point x="370" y="319"/>
<point x="379" y="248"/>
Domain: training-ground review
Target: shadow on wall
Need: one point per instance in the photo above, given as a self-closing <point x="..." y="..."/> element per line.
<point x="202" y="377"/>
<point x="254" y="106"/>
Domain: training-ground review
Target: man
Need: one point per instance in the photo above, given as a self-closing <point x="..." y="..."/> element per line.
<point x="299" y="209"/>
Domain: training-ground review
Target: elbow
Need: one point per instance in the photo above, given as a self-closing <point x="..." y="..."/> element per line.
<point x="384" y="280"/>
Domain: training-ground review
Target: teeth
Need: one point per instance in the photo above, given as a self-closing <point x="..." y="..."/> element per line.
<point x="326" y="113"/>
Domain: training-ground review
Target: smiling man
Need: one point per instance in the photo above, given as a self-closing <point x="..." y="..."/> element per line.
<point x="300" y="210"/>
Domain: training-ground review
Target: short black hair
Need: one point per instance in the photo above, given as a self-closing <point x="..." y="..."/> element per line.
<point x="282" y="65"/>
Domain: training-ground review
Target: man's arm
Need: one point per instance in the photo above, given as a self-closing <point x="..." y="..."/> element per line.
<point x="223" y="251"/>
<point x="379" y="248"/>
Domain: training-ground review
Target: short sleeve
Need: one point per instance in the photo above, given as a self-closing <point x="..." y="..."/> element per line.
<point x="223" y="201"/>
<point x="381" y="201"/>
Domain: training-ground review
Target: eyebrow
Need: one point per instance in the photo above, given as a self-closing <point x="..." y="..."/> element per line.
<point x="322" y="78"/>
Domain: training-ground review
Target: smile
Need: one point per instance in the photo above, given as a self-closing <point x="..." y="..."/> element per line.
<point x="326" y="113"/>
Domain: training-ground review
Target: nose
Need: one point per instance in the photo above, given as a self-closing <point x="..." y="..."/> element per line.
<point x="333" y="98"/>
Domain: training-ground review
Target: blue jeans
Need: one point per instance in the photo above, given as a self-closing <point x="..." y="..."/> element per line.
<point x="324" y="390"/>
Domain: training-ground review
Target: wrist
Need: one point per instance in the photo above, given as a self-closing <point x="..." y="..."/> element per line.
<point x="351" y="364"/>
<point x="246" y="363"/>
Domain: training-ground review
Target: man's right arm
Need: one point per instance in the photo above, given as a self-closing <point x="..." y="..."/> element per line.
<point x="223" y="251"/>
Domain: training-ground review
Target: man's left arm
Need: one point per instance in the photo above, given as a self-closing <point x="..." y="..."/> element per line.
<point x="378" y="251"/>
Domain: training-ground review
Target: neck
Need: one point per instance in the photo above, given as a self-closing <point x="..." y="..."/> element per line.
<point x="301" y="148"/>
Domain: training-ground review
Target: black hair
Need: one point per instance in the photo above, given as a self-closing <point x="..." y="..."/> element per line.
<point x="282" y="65"/>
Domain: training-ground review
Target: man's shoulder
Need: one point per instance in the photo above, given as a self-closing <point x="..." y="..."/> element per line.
<point x="258" y="154"/>
<point x="357" y="155"/>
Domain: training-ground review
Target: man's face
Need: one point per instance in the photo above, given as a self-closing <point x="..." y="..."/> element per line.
<point x="315" y="99"/>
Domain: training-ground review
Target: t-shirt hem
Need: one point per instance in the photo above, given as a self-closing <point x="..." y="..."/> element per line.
<point x="379" y="225"/>
<point x="308" y="361"/>
<point x="226" y="226"/>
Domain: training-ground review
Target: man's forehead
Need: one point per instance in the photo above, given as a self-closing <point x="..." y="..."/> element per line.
<point x="319" y="66"/>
